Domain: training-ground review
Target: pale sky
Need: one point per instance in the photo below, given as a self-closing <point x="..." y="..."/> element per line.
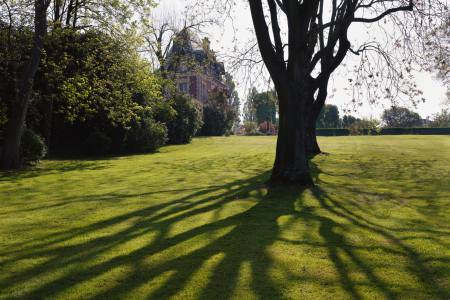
<point x="225" y="38"/>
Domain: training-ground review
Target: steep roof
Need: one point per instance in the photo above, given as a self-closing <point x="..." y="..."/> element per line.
<point x="189" y="54"/>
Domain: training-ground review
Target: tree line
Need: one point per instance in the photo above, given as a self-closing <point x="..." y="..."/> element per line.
<point x="263" y="106"/>
<point x="74" y="81"/>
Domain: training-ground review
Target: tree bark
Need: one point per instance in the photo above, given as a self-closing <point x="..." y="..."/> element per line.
<point x="316" y="106"/>
<point x="16" y="120"/>
<point x="47" y="123"/>
<point x="291" y="165"/>
<point x="312" y="146"/>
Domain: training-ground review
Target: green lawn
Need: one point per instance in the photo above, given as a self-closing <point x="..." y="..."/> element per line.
<point x="197" y="221"/>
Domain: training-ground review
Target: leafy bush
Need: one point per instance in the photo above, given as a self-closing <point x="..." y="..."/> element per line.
<point x="215" y="121"/>
<point x="145" y="136"/>
<point x="97" y="143"/>
<point x="218" y="115"/>
<point x="250" y="128"/>
<point x="187" y="120"/>
<point x="33" y="147"/>
<point x="364" y="127"/>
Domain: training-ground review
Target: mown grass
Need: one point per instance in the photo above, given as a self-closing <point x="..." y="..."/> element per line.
<point x="197" y="222"/>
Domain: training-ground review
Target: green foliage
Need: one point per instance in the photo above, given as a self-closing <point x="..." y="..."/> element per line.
<point x="15" y="46"/>
<point x="32" y="147"/>
<point x="364" y="126"/>
<point x="249" y="108"/>
<point x="348" y="120"/>
<point x="261" y="106"/>
<point x="145" y="136"/>
<point x="188" y="119"/>
<point x="328" y="117"/>
<point x="91" y="81"/>
<point x="97" y="143"/>
<point x="92" y="73"/>
<point x="218" y="116"/>
<point x="251" y="128"/>
<point x="234" y="100"/>
<point x="419" y="130"/>
<point x="332" y="132"/>
<point x="401" y="117"/>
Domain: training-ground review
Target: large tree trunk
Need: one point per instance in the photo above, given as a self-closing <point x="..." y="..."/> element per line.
<point x="291" y="162"/>
<point x="47" y="123"/>
<point x="19" y="108"/>
<point x="315" y="107"/>
<point x="312" y="146"/>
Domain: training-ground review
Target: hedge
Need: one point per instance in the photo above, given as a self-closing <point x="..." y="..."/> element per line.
<point x="332" y="132"/>
<point x="425" y="131"/>
<point x="384" y="131"/>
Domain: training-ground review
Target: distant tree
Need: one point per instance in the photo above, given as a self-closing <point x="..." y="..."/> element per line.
<point x="401" y="117"/>
<point x="265" y="104"/>
<point x="441" y="119"/>
<point x="328" y="117"/>
<point x="249" y="106"/>
<point x="348" y="120"/>
<point x="260" y="106"/>
<point x="302" y="44"/>
<point x="233" y="99"/>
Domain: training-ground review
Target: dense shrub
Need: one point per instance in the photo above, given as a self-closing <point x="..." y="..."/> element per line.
<point x="364" y="127"/>
<point x="187" y="121"/>
<point x="33" y="147"/>
<point x="218" y="115"/>
<point x="97" y="143"/>
<point x="215" y="121"/>
<point x="145" y="136"/>
<point x="251" y="128"/>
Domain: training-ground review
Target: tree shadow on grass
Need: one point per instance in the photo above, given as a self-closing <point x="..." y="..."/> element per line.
<point x="251" y="232"/>
<point x="61" y="168"/>
<point x="236" y="240"/>
<point x="337" y="243"/>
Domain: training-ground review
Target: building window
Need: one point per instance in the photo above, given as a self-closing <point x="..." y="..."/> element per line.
<point x="183" y="87"/>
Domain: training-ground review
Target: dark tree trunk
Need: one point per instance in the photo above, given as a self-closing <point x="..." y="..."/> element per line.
<point x="47" y="123"/>
<point x="70" y="8"/>
<point x="291" y="162"/>
<point x="312" y="146"/>
<point x="19" y="107"/>
<point x="11" y="144"/>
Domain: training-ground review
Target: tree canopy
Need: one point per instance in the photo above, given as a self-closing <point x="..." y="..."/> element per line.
<point x="401" y="117"/>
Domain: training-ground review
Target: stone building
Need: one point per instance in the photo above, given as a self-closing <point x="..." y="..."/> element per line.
<point x="195" y="67"/>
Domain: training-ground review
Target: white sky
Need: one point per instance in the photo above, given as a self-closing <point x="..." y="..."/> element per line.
<point x="225" y="38"/>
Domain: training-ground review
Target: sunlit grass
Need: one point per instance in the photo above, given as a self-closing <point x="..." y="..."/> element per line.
<point x="197" y="221"/>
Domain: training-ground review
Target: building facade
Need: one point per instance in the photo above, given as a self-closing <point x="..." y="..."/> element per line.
<point x="195" y="68"/>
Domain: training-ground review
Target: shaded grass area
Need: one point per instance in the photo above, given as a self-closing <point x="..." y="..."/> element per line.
<point x="197" y="222"/>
